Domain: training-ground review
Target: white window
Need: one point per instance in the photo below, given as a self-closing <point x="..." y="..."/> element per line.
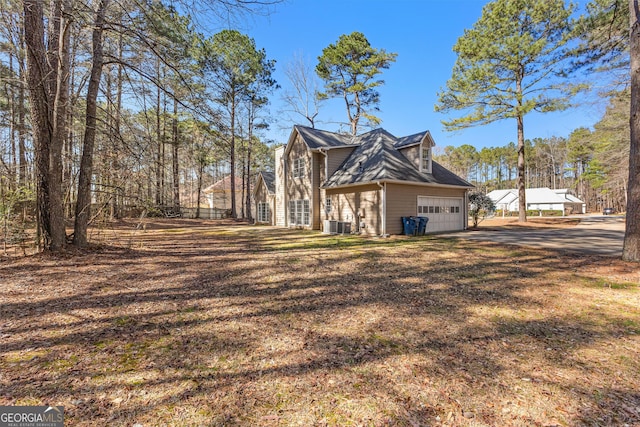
<point x="426" y="160"/>
<point x="299" y="212"/>
<point x="298" y="168"/>
<point x="263" y="212"/>
<point x="327" y="205"/>
<point x="292" y="212"/>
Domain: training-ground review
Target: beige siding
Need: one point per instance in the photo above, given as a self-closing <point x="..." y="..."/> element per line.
<point x="318" y="165"/>
<point x="413" y="155"/>
<point x="335" y="158"/>
<point x="363" y="203"/>
<point x="262" y="196"/>
<point x="280" y="199"/>
<point x="402" y="200"/>
<point x="300" y="188"/>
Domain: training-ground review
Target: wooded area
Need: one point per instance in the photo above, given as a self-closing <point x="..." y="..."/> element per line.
<point x="117" y="108"/>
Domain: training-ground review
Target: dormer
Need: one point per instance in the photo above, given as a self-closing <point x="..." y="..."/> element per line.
<point x="426" y="158"/>
<point x="418" y="149"/>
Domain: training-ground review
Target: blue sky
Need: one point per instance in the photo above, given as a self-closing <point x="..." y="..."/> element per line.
<point x="422" y="33"/>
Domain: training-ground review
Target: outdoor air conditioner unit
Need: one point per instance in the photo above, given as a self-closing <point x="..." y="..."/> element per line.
<point x="344" y="228"/>
<point x="330" y="227"/>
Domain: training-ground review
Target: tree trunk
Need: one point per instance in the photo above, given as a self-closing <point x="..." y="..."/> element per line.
<point x="42" y="81"/>
<point x="248" y="184"/>
<point x="176" y="171"/>
<point x="119" y="191"/>
<point x="160" y="152"/>
<point x="22" y="129"/>
<point x="200" y="173"/>
<point x="59" y="48"/>
<point x="11" y="100"/>
<point x="234" y="212"/>
<point x="252" y="113"/>
<point x="83" y="204"/>
<point x="631" y="250"/>
<point x="522" y="202"/>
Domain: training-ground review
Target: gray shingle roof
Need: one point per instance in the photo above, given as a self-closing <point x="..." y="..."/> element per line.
<point x="269" y="179"/>
<point x="442" y="175"/>
<point x="407" y="141"/>
<point x="378" y="159"/>
<point x="315" y="138"/>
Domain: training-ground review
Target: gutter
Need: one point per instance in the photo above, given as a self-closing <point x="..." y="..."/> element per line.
<point x="422" y="184"/>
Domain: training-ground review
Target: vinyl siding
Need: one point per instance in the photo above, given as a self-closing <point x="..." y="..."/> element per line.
<point x="402" y="200"/>
<point x="413" y="155"/>
<point x="336" y="157"/>
<point x="263" y="196"/>
<point x="366" y="201"/>
<point x="280" y="199"/>
<point x="300" y="188"/>
<point x="260" y="197"/>
<point x="318" y="165"/>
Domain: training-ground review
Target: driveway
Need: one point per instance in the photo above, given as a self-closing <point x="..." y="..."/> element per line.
<point x="595" y="235"/>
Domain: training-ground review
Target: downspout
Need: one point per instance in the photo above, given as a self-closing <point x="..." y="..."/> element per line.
<point x="326" y="177"/>
<point x="285" y="175"/>
<point x="383" y="188"/>
<point x="465" y="218"/>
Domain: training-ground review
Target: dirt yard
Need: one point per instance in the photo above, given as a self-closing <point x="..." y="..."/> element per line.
<point x="192" y="323"/>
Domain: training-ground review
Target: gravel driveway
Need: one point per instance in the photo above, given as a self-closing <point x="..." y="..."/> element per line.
<point x="595" y="235"/>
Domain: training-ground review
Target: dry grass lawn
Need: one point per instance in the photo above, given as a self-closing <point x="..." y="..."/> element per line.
<point x="196" y="323"/>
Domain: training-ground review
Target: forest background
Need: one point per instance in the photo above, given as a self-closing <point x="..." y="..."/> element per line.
<point x="169" y="119"/>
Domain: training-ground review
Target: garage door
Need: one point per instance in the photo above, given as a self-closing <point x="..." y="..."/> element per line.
<point x="444" y="213"/>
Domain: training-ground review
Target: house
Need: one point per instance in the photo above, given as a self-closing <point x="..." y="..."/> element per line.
<point x="218" y="194"/>
<point x="364" y="184"/>
<point x="572" y="204"/>
<point x="265" y="196"/>
<point x="540" y="199"/>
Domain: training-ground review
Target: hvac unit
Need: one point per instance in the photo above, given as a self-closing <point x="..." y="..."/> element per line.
<point x="330" y="227"/>
<point x="344" y="228"/>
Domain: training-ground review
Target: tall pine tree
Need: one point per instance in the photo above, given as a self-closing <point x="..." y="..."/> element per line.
<point x="511" y="63"/>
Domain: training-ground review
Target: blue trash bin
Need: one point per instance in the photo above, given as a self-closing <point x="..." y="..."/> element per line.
<point x="408" y="226"/>
<point x="422" y="225"/>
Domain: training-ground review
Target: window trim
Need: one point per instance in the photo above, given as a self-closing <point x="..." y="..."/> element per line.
<point x="264" y="212"/>
<point x="300" y="212"/>
<point x="298" y="167"/>
<point x="425" y="156"/>
<point x="328" y="205"/>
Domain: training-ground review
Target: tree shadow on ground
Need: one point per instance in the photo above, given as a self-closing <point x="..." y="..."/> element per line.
<point x="263" y="326"/>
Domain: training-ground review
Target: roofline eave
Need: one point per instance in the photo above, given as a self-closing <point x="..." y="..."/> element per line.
<point x="392" y="181"/>
<point x="294" y="131"/>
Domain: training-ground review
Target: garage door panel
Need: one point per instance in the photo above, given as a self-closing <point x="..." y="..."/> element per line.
<point x="444" y="213"/>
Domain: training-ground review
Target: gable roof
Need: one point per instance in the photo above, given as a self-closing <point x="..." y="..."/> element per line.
<point x="564" y="192"/>
<point x="502" y="196"/>
<point x="533" y="196"/>
<point x="377" y="159"/>
<point x="543" y="195"/>
<point x="415" y="139"/>
<point x="223" y="185"/>
<point x="316" y="138"/>
<point x="269" y="179"/>
<point x="572" y="198"/>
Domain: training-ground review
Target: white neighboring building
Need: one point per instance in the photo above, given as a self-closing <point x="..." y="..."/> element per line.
<point x="543" y="199"/>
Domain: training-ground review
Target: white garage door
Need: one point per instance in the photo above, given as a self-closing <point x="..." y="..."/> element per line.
<point x="444" y="213"/>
